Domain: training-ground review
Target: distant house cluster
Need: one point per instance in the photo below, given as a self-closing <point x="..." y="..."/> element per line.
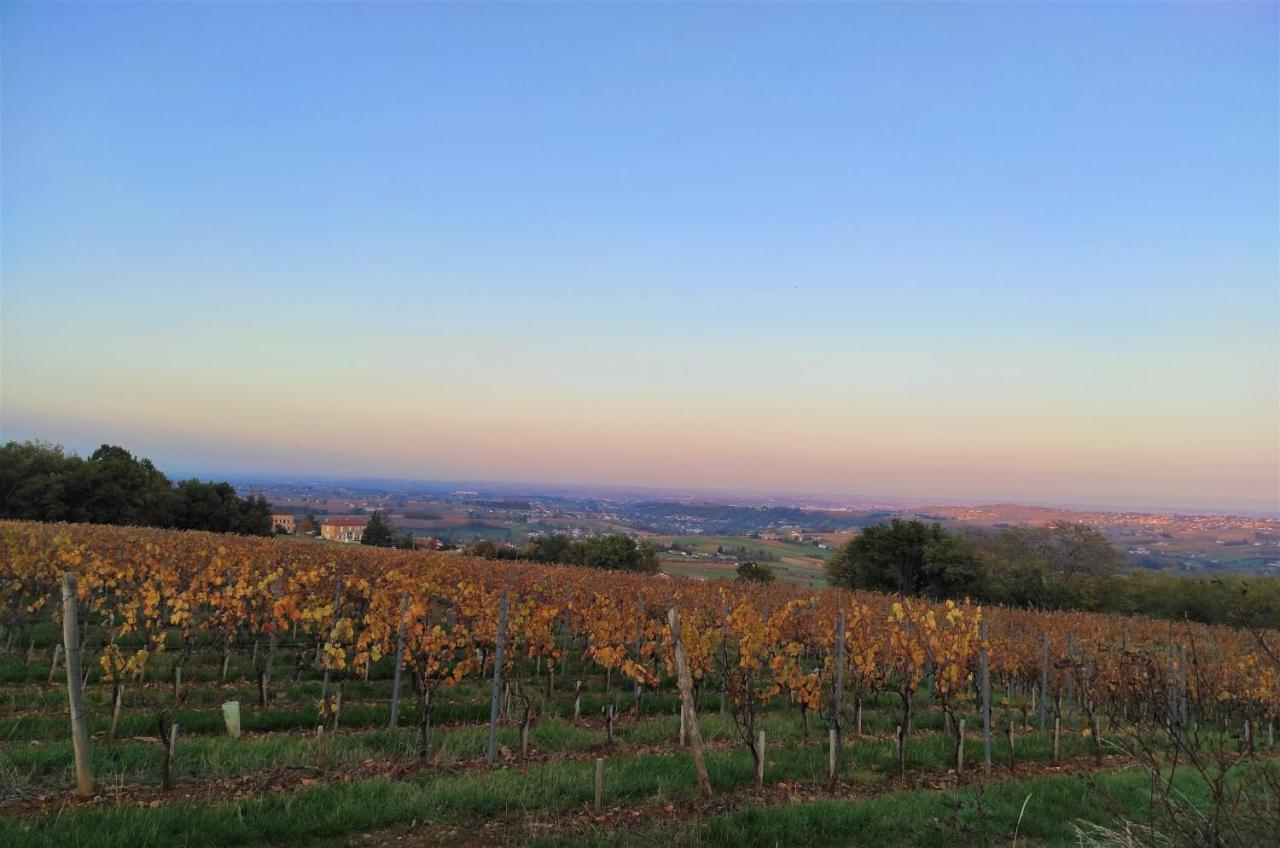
<point x="335" y="528"/>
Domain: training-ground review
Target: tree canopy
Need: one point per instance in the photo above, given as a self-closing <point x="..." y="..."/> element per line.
<point x="909" y="557"/>
<point x="755" y="572"/>
<point x="617" y="552"/>
<point x="42" y="482"/>
<point x="378" y="532"/>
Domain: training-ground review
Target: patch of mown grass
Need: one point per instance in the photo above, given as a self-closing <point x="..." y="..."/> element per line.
<point x="552" y="787"/>
<point x="921" y="818"/>
<point x="211" y="755"/>
<point x="915" y="818"/>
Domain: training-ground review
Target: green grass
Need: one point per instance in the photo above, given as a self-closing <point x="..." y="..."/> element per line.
<point x="922" y="817"/>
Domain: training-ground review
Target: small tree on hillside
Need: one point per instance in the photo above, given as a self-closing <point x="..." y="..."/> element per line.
<point x="755" y="572"/>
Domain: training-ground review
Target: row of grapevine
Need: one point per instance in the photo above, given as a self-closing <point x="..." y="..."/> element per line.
<point x="341" y="610"/>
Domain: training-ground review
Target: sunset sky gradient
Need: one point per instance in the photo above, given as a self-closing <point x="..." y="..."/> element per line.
<point x="992" y="252"/>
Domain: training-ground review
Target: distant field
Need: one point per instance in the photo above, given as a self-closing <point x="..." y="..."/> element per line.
<point x="795" y="563"/>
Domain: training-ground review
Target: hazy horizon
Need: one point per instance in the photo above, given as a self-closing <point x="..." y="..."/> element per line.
<point x="988" y="253"/>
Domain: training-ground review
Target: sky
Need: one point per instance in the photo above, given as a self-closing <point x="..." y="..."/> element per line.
<point x="965" y="251"/>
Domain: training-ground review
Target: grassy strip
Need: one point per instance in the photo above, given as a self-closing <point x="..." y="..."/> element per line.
<point x="212" y="757"/>
<point x="986" y="815"/>
<point x="333" y="809"/>
<point x="911" y="818"/>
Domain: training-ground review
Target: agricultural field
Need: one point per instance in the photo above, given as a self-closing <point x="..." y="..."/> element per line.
<point x="553" y="706"/>
<point x="714" y="557"/>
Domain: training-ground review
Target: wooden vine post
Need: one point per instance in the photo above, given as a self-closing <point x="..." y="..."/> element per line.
<point x="1044" y="678"/>
<point x="837" y="706"/>
<point x="495" y="699"/>
<point x="687" y="709"/>
<point x="984" y="678"/>
<point x="597" y="805"/>
<point x="53" y="665"/>
<point x="326" y="707"/>
<point x="396" y="675"/>
<point x="724" y="672"/>
<point x="75" y="686"/>
<point x="760" y="749"/>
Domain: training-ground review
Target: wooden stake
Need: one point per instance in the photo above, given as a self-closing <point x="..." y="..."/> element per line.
<point x="166" y="766"/>
<point x="960" y="750"/>
<point x="984" y="673"/>
<point x="1097" y="738"/>
<point x="724" y="675"/>
<point x="75" y="686"/>
<point x="395" y="677"/>
<point x="833" y="742"/>
<point x="598" y="806"/>
<point x="491" y="750"/>
<point x="53" y="666"/>
<point x="687" y="708"/>
<point x="117" y="704"/>
<point x="902" y="754"/>
<point x="1057" y="736"/>
<point x="760" y="748"/>
<point x="837" y="706"/>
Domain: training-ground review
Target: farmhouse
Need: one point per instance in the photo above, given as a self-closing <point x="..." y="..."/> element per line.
<point x="343" y="528"/>
<point x="282" y="521"/>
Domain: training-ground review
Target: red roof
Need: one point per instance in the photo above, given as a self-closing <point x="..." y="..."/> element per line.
<point x="346" y="521"/>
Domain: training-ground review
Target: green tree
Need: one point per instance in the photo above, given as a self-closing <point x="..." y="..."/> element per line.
<point x="378" y="531"/>
<point x="252" y="516"/>
<point x="489" y="549"/>
<point x="909" y="557"/>
<point x="554" y="548"/>
<point x="40" y="482"/>
<point x="615" y="553"/>
<point x="755" y="572"/>
<point x="34" y="480"/>
<point x="117" y="488"/>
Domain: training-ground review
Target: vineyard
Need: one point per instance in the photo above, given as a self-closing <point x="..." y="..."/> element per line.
<point x="229" y="690"/>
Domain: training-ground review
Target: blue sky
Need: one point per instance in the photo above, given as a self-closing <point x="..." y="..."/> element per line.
<point x="969" y="250"/>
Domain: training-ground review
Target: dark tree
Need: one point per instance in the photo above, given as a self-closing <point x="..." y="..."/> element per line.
<point x="615" y="553"/>
<point x="556" y="548"/>
<point x="116" y="488"/>
<point x="253" y="516"/>
<point x="378" y="532"/>
<point x="40" y="482"/>
<point x="755" y="572"/>
<point x="489" y="549"/>
<point x="909" y="557"/>
<point x="34" y="481"/>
